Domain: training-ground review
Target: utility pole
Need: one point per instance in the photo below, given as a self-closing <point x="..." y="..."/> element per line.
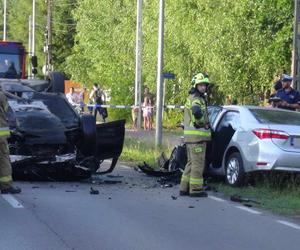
<point x="138" y="64"/>
<point x="33" y="29"/>
<point x="29" y="70"/>
<point x="48" y="48"/>
<point x="4" y="20"/>
<point x="160" y="79"/>
<point x="296" y="47"/>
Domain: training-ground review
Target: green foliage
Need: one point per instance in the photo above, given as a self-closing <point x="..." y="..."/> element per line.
<point x="64" y="28"/>
<point x="241" y="44"/>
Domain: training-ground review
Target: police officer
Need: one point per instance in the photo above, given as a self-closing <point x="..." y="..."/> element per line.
<point x="196" y="134"/>
<point x="5" y="166"/>
<point x="290" y="98"/>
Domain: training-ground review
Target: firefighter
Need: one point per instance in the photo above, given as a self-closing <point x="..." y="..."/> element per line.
<point x="196" y="134"/>
<point x="5" y="166"/>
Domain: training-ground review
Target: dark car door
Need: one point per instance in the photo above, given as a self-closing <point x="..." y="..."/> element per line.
<point x="222" y="136"/>
<point x="110" y="140"/>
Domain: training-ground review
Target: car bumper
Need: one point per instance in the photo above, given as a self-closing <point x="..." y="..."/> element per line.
<point x="273" y="158"/>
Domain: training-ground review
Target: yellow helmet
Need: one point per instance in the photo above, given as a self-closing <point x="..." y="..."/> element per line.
<point x="200" y="78"/>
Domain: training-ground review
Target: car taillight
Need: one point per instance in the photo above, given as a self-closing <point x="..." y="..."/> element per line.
<point x="263" y="133"/>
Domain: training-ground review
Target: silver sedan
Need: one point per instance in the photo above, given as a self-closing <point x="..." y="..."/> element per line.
<point x="251" y="138"/>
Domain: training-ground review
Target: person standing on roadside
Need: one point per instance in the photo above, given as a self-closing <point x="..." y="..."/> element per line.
<point x="290" y="97"/>
<point x="147" y="114"/>
<point x="72" y="97"/>
<point x="6" y="186"/>
<point x="81" y="98"/>
<point x="99" y="98"/>
<point x="150" y="97"/>
<point x="134" y="115"/>
<point x="196" y="135"/>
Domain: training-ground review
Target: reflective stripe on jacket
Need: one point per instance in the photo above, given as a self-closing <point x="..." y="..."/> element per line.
<point x="4" y="129"/>
<point x="192" y="134"/>
<point x="5" y="179"/>
<point x="4" y="132"/>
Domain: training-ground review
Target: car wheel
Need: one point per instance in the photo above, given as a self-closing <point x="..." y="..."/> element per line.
<point x="88" y="142"/>
<point x="235" y="174"/>
<point x="57" y="82"/>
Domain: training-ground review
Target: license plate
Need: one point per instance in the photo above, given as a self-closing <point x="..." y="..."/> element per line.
<point x="295" y="142"/>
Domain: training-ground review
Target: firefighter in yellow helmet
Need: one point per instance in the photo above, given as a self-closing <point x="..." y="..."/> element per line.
<point x="5" y="166"/>
<point x="196" y="134"/>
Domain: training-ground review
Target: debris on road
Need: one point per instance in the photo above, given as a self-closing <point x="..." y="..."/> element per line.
<point x="167" y="186"/>
<point x="94" y="191"/>
<point x="169" y="170"/>
<point x="191" y="207"/>
<point x="174" y="197"/>
<point x="238" y="198"/>
<point x="111" y="182"/>
<point x="71" y="191"/>
<point x="115" y="176"/>
<point x="148" y="170"/>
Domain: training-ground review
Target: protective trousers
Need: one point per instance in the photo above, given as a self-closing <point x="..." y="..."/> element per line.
<point x="5" y="166"/>
<point x="192" y="177"/>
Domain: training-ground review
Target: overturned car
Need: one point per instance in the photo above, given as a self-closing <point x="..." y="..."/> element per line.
<point x="50" y="140"/>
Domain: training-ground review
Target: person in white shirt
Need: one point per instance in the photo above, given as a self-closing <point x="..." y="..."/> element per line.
<point x="72" y="97"/>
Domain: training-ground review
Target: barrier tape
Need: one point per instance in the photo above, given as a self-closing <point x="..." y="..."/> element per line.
<point x="129" y="106"/>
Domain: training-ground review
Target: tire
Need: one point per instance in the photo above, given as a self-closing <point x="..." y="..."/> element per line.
<point x="57" y="82"/>
<point x="234" y="170"/>
<point x="88" y="142"/>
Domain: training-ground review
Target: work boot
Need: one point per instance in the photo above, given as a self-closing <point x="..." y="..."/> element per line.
<point x="183" y="193"/>
<point x="11" y="190"/>
<point x="199" y="194"/>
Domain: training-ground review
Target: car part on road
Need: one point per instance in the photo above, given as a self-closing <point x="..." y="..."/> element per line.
<point x="238" y="198"/>
<point x="114" y="176"/>
<point x="94" y="191"/>
<point x="111" y="182"/>
<point x="148" y="170"/>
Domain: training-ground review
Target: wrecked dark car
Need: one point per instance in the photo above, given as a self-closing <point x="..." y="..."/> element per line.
<point x="51" y="141"/>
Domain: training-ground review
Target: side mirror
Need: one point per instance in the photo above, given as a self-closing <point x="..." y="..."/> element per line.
<point x="34" y="61"/>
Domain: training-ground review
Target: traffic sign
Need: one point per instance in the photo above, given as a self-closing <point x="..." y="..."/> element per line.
<point x="169" y="75"/>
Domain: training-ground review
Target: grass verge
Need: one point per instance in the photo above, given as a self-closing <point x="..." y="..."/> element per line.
<point x="285" y="201"/>
<point x="138" y="151"/>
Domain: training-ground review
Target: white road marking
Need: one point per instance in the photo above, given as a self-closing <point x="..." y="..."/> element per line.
<point x="252" y="211"/>
<point x="289" y="224"/>
<point x="123" y="166"/>
<point x="12" y="201"/>
<point x="216" y="198"/>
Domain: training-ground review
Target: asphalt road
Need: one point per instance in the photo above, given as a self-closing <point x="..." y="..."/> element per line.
<point x="134" y="214"/>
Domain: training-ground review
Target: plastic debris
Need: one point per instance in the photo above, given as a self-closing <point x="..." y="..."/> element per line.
<point x="94" y="191"/>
